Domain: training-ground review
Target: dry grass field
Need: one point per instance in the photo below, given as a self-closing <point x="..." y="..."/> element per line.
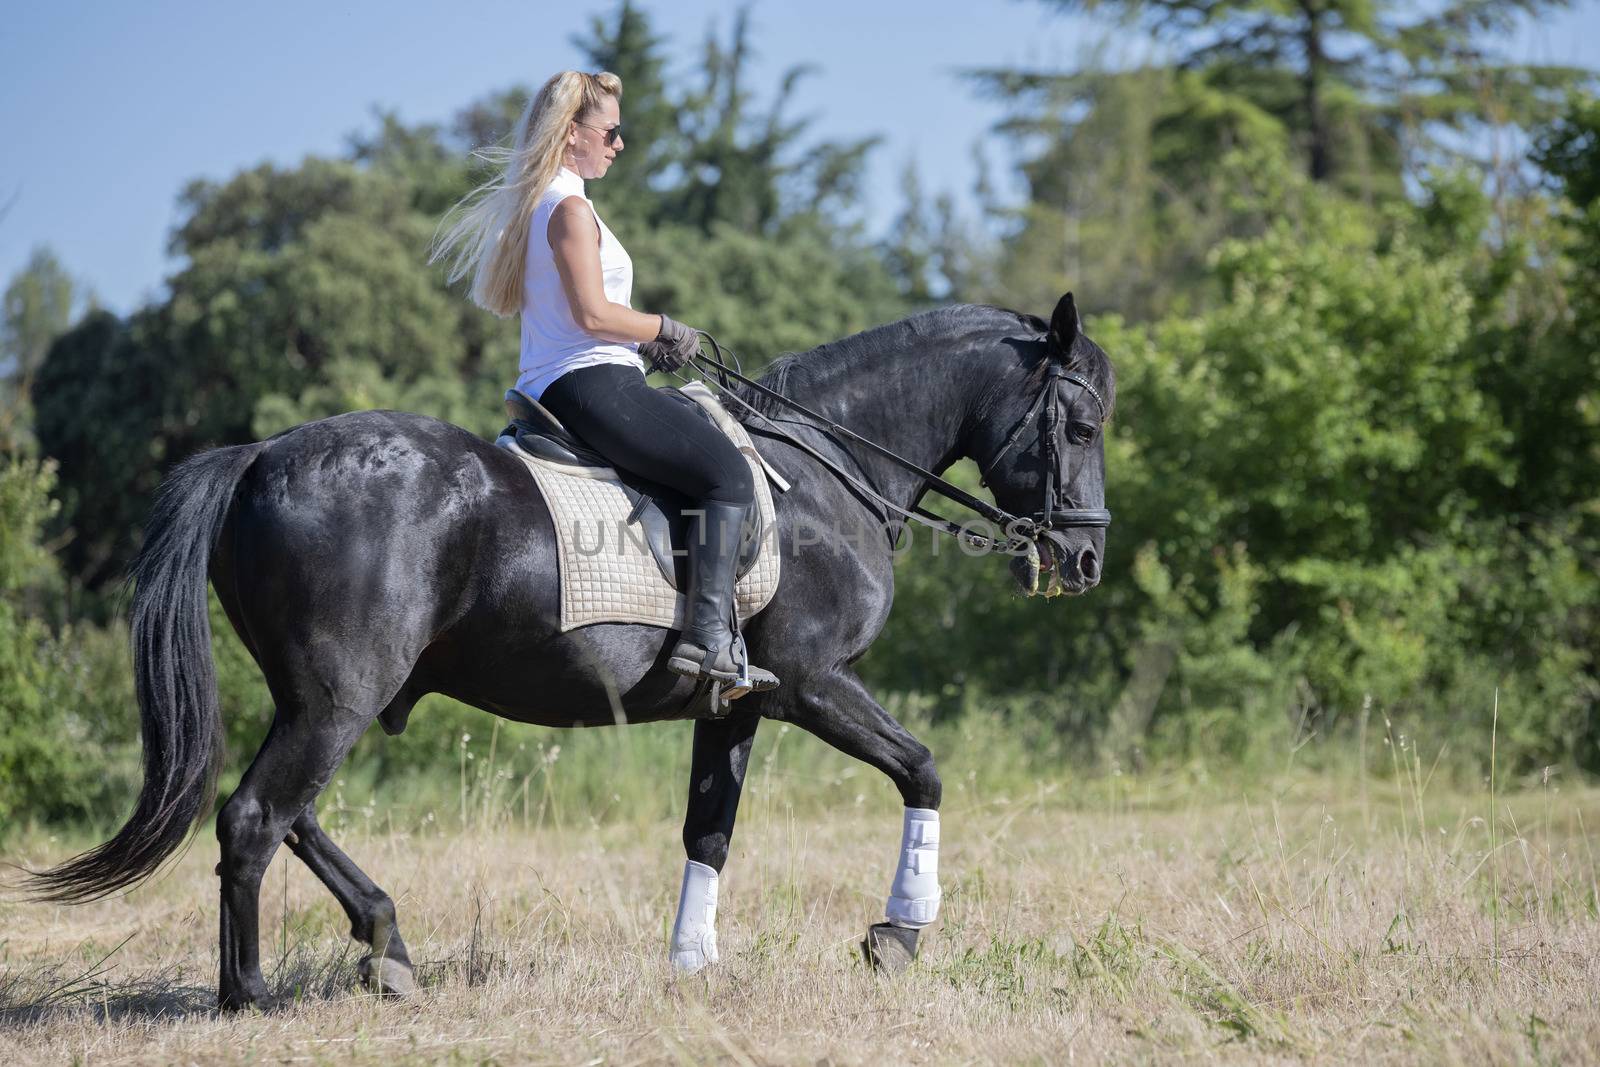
<point x="1316" y="919"/>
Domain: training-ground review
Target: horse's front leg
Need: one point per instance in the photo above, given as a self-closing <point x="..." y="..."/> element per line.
<point x="839" y="710"/>
<point x="721" y="754"/>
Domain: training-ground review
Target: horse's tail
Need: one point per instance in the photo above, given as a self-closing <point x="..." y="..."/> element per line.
<point x="175" y="679"/>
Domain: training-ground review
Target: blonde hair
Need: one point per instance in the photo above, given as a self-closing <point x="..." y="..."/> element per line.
<point x="489" y="236"/>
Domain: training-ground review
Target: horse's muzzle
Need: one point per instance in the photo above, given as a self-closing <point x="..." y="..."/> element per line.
<point x="1062" y="565"/>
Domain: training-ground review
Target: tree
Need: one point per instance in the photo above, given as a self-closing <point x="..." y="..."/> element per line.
<point x="292" y="277"/>
<point x="764" y="296"/>
<point x="929" y="250"/>
<point x="107" y="411"/>
<point x="1132" y="178"/>
<point x="1352" y="77"/>
<point x="1559" y="383"/>
<point x="430" y="162"/>
<point x="304" y="291"/>
<point x="627" y="46"/>
<point x="38" y="306"/>
<point x="1134" y="175"/>
<point x="732" y="219"/>
<point x="50" y="769"/>
<point x="707" y="154"/>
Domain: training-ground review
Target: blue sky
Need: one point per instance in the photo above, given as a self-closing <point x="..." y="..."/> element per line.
<point x="110" y="107"/>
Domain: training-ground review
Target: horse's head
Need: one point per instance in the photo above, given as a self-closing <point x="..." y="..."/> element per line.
<point x="1039" y="443"/>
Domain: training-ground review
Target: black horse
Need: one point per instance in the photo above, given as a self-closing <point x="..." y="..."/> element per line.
<point x="373" y="557"/>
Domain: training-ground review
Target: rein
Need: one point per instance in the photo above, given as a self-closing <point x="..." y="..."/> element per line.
<point x="1022" y="533"/>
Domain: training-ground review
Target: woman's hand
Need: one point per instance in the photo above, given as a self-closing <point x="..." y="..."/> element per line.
<point x="673" y="347"/>
<point x="656" y="356"/>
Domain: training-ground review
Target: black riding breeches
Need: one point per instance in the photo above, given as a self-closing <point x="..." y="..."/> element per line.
<point x="643" y="430"/>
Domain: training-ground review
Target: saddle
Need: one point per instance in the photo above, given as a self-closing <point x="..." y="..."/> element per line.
<point x="656" y="510"/>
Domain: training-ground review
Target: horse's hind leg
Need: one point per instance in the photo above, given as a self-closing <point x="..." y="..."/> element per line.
<point x="303" y="748"/>
<point x="372" y="919"/>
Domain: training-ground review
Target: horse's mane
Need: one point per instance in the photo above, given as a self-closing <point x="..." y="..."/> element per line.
<point x="798" y="368"/>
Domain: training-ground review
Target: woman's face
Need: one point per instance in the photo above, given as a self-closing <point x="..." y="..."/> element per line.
<point x="587" y="150"/>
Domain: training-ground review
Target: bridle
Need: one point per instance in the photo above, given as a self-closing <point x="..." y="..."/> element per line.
<point x="1047" y="408"/>
<point x="1022" y="533"/>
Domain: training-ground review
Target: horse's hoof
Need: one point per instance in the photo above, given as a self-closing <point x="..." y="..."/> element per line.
<point x="387" y="977"/>
<point x="889" y="949"/>
<point x="234" y="1003"/>
<point x="694" y="954"/>
<point x="691" y="961"/>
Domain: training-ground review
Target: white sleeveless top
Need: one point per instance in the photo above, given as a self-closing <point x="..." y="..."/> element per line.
<point x="552" y="341"/>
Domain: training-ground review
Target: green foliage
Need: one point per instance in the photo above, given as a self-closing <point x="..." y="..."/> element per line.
<point x="930" y="250"/>
<point x="38" y="306"/>
<point x="305" y="291"/>
<point x="103" y="414"/>
<point x="1142" y="172"/>
<point x="703" y="155"/>
<point x="1354" y="464"/>
<point x="765" y="295"/>
<point x="1135" y="174"/>
<point x="25" y="505"/>
<point x="53" y="766"/>
<point x="1325" y="492"/>
<point x="295" y="281"/>
<point x="1355" y="80"/>
<point x="628" y="47"/>
<point x="1569" y="153"/>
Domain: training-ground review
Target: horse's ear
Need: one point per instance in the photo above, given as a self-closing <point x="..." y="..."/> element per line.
<point x="1064" y="325"/>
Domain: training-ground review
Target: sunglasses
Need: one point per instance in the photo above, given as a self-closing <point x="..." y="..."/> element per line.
<point x="611" y="133"/>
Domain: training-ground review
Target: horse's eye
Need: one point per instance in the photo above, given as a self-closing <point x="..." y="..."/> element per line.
<point x="1082" y="433"/>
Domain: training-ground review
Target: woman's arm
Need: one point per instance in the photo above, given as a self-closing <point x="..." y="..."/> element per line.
<point x="575" y="239"/>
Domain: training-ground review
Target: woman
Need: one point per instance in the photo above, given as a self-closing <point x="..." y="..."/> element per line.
<point x="535" y="244"/>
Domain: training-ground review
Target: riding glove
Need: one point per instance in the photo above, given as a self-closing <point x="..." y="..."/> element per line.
<point x="673" y="347"/>
<point x="655" y="355"/>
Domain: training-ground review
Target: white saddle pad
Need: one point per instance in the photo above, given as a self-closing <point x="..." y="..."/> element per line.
<point x="607" y="571"/>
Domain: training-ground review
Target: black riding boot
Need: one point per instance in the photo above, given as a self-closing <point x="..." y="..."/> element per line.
<point x="709" y="645"/>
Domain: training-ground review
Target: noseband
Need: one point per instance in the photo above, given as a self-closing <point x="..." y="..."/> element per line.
<point x="1047" y="408"/>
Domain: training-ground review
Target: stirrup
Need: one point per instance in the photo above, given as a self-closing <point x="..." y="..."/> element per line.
<point x="740" y="685"/>
<point x="732" y="685"/>
<point x="749" y="679"/>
